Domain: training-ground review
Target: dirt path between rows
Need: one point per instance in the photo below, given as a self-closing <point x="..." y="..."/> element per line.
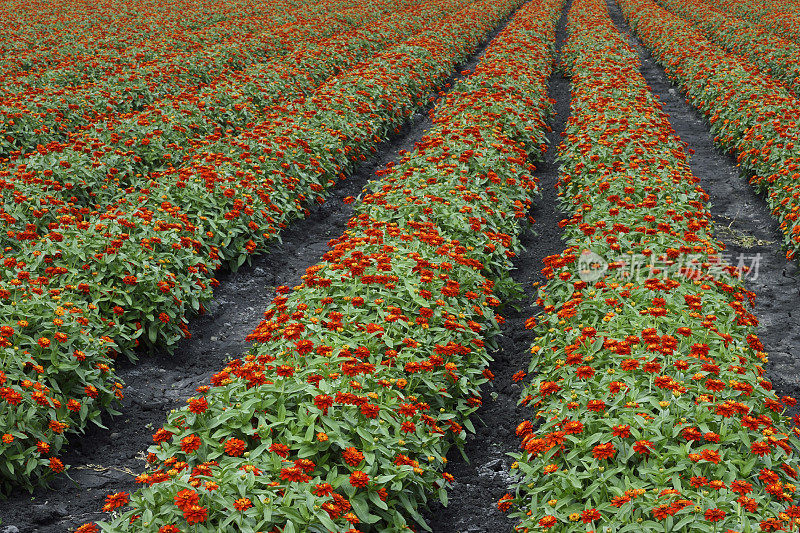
<point x="107" y="461"/>
<point x="481" y="481"/>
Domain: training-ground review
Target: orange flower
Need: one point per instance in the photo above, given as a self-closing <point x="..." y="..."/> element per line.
<point x="504" y="504"/>
<point x="710" y="455"/>
<point x="352" y="456"/>
<point x="604" y="451"/>
<point x="190" y="443"/>
<point x="198" y="405"/>
<point x="547" y="521"/>
<point x="186" y="498"/>
<point x="113" y="501"/>
<point x="235" y="447"/>
<point x="590" y="515"/>
<point x="242" y="504"/>
<point x="643" y="447"/>
<point x="760" y="448"/>
<point x="56" y="465"/>
<point x="295" y="474"/>
<point x="195" y="514"/>
<point x="359" y="479"/>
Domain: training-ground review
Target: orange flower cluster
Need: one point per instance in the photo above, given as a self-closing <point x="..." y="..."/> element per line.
<point x="774" y="16"/>
<point x="362" y="376"/>
<point x="769" y="52"/>
<point x="751" y="113"/>
<point x="654" y="412"/>
<point x="75" y="78"/>
<point x="132" y="255"/>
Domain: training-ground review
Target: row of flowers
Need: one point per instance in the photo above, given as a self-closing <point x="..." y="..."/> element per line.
<point x="363" y="376"/>
<point x="132" y="271"/>
<point x="94" y="83"/>
<point x="767" y="51"/>
<point x="69" y="180"/>
<point x="116" y="148"/>
<point x="778" y="17"/>
<point x="650" y="410"/>
<point x="750" y="113"/>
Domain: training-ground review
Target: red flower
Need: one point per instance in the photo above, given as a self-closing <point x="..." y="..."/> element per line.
<point x="285" y="370"/>
<point x="280" y="449"/>
<point x="323" y="402"/>
<point x="113" y="501"/>
<point x="547" y="521"/>
<point x="370" y="410"/>
<point x="643" y="447"/>
<point x="760" y="448"/>
<point x="242" y="504"/>
<point x="596" y="405"/>
<point x="56" y="465"/>
<point x="195" y="514"/>
<point x="235" y="447"/>
<point x="352" y="456"/>
<point x="198" y="405"/>
<point x="323" y="489"/>
<point x="771" y="524"/>
<point x="88" y="528"/>
<point x="504" y="504"/>
<point x="590" y="515"/>
<point x="359" y="479"/>
<point x="294" y="473"/>
<point x="573" y="427"/>
<point x="549" y="387"/>
<point x="525" y="427"/>
<point x="622" y="432"/>
<point x="663" y="511"/>
<point x="604" y="451"/>
<point x="186" y="498"/>
<point x="714" y="515"/>
<point x="710" y="455"/>
<point x="190" y="443"/>
<point x="741" y="487"/>
<point x="619" y="501"/>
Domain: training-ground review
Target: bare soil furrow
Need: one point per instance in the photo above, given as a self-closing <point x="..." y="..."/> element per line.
<point x="482" y="479"/>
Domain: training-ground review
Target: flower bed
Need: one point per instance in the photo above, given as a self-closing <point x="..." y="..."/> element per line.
<point x="121" y="149"/>
<point x="768" y="52"/>
<point x="362" y="376"/>
<point x="649" y="407"/>
<point x="82" y="85"/>
<point x="750" y="113"/>
<point x="148" y="260"/>
<point x="777" y="17"/>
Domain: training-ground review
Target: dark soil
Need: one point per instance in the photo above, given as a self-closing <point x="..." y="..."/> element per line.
<point x="484" y="478"/>
<point x="105" y="461"/>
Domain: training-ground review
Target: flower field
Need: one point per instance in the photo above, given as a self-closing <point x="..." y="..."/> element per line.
<point x="149" y="150"/>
